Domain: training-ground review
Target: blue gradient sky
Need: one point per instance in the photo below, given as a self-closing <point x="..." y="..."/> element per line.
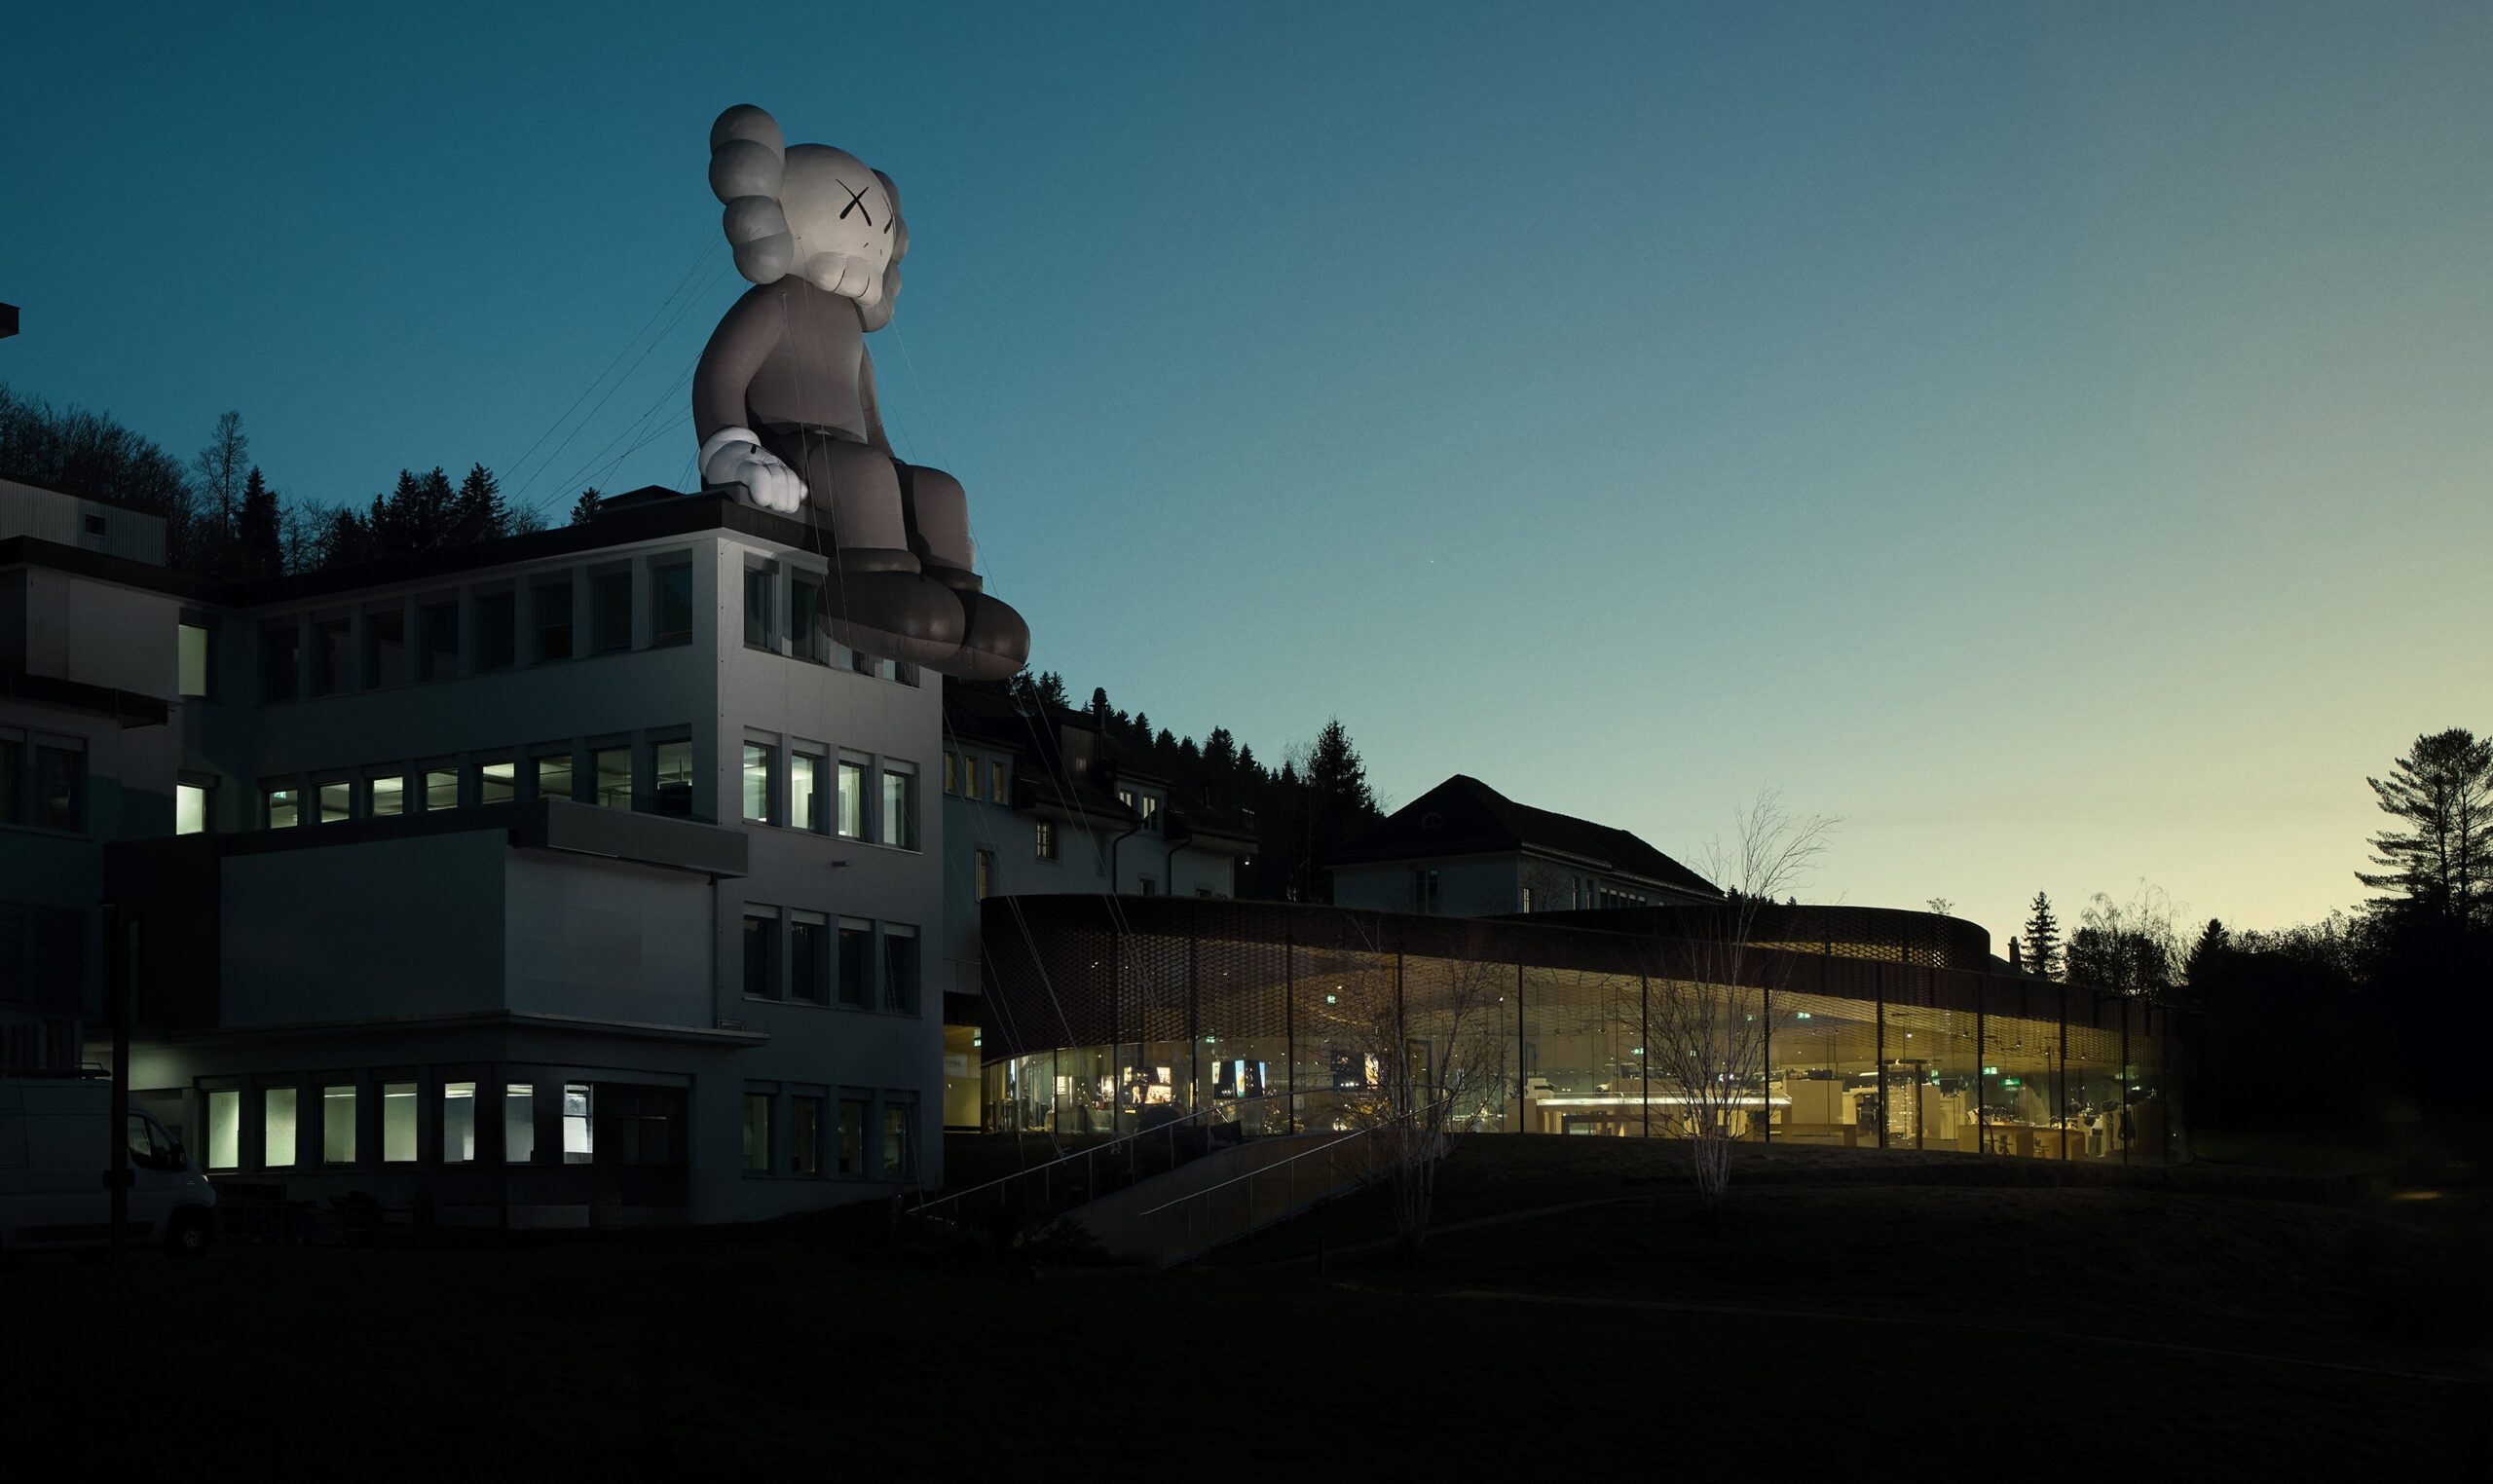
<point x="2054" y="438"/>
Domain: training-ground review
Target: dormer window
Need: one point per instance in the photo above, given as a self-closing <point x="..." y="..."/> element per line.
<point x="1433" y="820"/>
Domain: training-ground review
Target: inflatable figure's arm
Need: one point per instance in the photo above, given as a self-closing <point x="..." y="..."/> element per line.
<point x="730" y="452"/>
<point x="873" y="404"/>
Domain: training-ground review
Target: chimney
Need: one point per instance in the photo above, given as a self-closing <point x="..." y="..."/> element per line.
<point x="2014" y="966"/>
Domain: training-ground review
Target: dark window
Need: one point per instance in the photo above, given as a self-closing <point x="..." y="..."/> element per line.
<point x="853" y="1112"/>
<point x="280" y="661"/>
<point x="899" y="1159"/>
<point x="905" y="672"/>
<point x="385" y="646"/>
<point x="804" y="1135"/>
<point x="553" y="606"/>
<point x="671" y="605"/>
<point x="756" y="1132"/>
<point x="856" y="960"/>
<point x="61" y="788"/>
<point x="674" y="785"/>
<point x="864" y="663"/>
<point x="761" y="958"/>
<point x="440" y="640"/>
<point x="756" y="607"/>
<point x="610" y="597"/>
<point x="497" y="630"/>
<point x="808" y="958"/>
<point x="900" y="973"/>
<point x="330" y="656"/>
<point x="12" y="780"/>
<point x="94" y="525"/>
<point x="809" y="621"/>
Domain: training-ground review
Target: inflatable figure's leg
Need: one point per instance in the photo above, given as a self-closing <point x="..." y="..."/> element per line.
<point x="880" y="599"/>
<point x="997" y="641"/>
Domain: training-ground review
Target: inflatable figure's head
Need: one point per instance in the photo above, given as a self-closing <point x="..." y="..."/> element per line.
<point x="807" y="210"/>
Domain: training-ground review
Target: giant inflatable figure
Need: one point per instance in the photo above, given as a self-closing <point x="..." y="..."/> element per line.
<point x="784" y="403"/>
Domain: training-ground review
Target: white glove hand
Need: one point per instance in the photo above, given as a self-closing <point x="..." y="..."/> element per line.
<point x="735" y="455"/>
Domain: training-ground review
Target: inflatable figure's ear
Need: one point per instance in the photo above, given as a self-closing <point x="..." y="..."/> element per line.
<point x="747" y="160"/>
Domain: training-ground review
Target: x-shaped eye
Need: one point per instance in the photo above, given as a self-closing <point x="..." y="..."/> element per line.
<point x="857" y="203"/>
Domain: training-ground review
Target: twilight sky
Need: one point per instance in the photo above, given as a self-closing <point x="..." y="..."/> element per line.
<point x="2054" y="438"/>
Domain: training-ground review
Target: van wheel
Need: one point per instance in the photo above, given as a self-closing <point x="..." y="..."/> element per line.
<point x="187" y="1234"/>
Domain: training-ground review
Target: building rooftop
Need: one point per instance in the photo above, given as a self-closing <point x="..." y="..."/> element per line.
<point x="1463" y="816"/>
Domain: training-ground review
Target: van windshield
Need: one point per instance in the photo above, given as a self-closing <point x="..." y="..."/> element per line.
<point x="150" y="1146"/>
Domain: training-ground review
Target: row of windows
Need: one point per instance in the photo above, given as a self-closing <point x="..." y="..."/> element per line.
<point x="812" y="958"/>
<point x="801" y="630"/>
<point x="790" y="1130"/>
<point x="43" y="782"/>
<point x="964" y="772"/>
<point x="544" y="617"/>
<point x="346" y="1122"/>
<point x="612" y="774"/>
<point x="807" y="786"/>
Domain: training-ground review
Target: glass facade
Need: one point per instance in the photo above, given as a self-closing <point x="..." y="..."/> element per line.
<point x="1329" y="1018"/>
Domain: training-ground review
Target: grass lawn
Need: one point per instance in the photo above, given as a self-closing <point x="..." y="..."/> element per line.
<point x="1932" y="1326"/>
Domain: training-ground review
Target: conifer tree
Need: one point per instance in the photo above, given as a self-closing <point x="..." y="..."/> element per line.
<point x="477" y="512"/>
<point x="584" y="509"/>
<point x="2043" y="940"/>
<point x="259" y="532"/>
<point x="2439" y="863"/>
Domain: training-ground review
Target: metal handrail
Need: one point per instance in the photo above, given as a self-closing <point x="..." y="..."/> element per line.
<point x="1438" y="1107"/>
<point x="1168" y="1129"/>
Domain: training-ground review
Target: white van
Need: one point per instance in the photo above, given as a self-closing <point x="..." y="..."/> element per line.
<point x="55" y="1172"/>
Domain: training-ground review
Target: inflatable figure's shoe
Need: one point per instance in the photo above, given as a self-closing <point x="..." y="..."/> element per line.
<point x="902" y="615"/>
<point x="995" y="643"/>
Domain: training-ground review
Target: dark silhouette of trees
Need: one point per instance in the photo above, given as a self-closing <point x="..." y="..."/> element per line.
<point x="2043" y="940"/>
<point x="2439" y="861"/>
<point x="584" y="509"/>
<point x="88" y="452"/>
<point x="259" y="532"/>
<point x="218" y="478"/>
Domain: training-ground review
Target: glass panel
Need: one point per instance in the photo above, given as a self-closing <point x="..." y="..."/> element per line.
<point x="856" y="959"/>
<point x="756" y="608"/>
<point x="805" y="790"/>
<point x="614" y="777"/>
<point x="896" y="1150"/>
<point x="610" y="597"/>
<point x="804" y="1135"/>
<point x="498" y="782"/>
<point x="809" y="621"/>
<point x="387" y="796"/>
<point x="331" y="659"/>
<point x="336" y="801"/>
<point x="554" y="775"/>
<point x="191" y="661"/>
<point x="674" y="766"/>
<point x="671" y="605"/>
<point x="853" y="1135"/>
<point x="497" y="630"/>
<point x="458" y="1122"/>
<point x="441" y="788"/>
<point x="61" y="788"/>
<point x="760" y="969"/>
<point x="440" y="641"/>
<point x="900" y="809"/>
<point x="278" y="1127"/>
<point x="900" y="972"/>
<point x="995" y="789"/>
<point x="337" y="1125"/>
<point x="579" y="1144"/>
<point x="224" y="1130"/>
<point x="808" y="957"/>
<point x="519" y="1123"/>
<point x="759" y="763"/>
<point x="13" y="779"/>
<point x="397" y="1123"/>
<point x="852" y="801"/>
<point x="385" y="646"/>
<point x="280" y="661"/>
<point x="281" y="804"/>
<point x="553" y="609"/>
<point x="952" y="774"/>
<point x="190" y="809"/>
<point x="756" y="1131"/>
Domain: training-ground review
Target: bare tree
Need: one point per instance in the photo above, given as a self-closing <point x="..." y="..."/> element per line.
<point x="1707" y="1017"/>
<point x="2127" y="948"/>
<point x="1542" y="884"/>
<point x="218" y="473"/>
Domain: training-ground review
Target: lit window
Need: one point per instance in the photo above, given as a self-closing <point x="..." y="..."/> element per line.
<point x="580" y="1139"/>
<point x="497" y="782"/>
<point x="804" y="1135"/>
<point x="756" y="1132"/>
<point x="397" y="1123"/>
<point x="192" y="649"/>
<point x="671" y="605"/>
<point x="554" y="774"/>
<point x="224" y="1130"/>
<point x="805" y="790"/>
<point x="809" y="957"/>
<point x="1150" y="814"/>
<point x="441" y="787"/>
<point x="614" y="777"/>
<point x="190" y="809"/>
<point x="337" y="1125"/>
<point x="337" y="802"/>
<point x="761" y="762"/>
<point x="852" y="800"/>
<point x="951" y="770"/>
<point x="1044" y="830"/>
<point x="985" y="873"/>
<point x="458" y="1122"/>
<point x="995" y="789"/>
<point x="900" y="809"/>
<point x="761" y="955"/>
<point x="673" y="762"/>
<point x="609" y="597"/>
<point x="519" y="1123"/>
<point x="281" y="805"/>
<point x="278" y="1127"/>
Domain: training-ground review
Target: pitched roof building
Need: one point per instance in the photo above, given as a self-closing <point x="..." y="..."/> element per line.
<point x="1463" y="849"/>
